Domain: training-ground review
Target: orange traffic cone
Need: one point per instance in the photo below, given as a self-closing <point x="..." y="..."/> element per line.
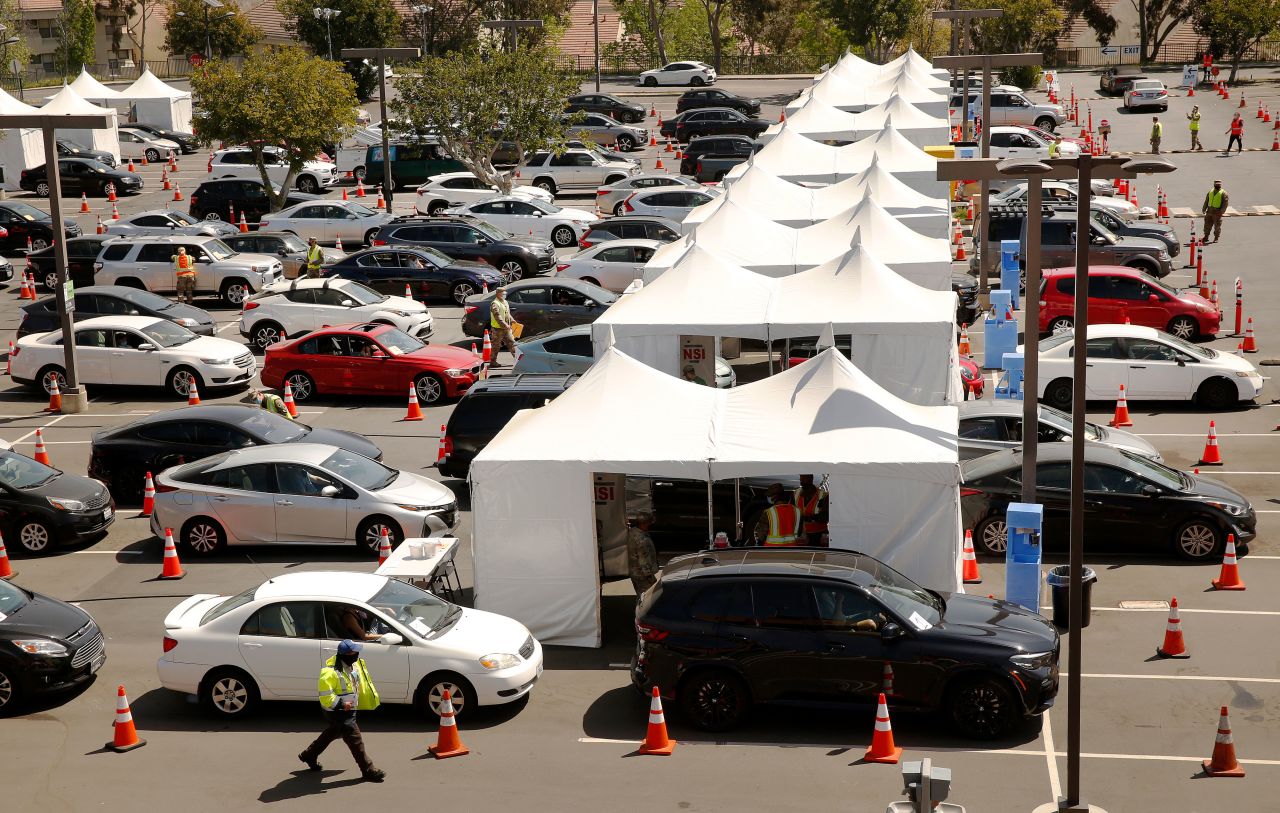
<point x="144" y="159"/>
<point x="659" y="165"/>
<point x="440" y="449"/>
<point x="970" y="567"/>
<point x="288" y="401"/>
<point x="1122" y="409"/>
<point x="359" y="188"/>
<point x="148" y="497"/>
<point x="653" y="140"/>
<point x="448" y="743"/>
<point x="956" y="236"/>
<point x="177" y="191"/>
<point x="1212" y="456"/>
<point x="960" y="252"/>
<point x="41" y="455"/>
<point x="344" y="195"/>
<point x="415" y="411"/>
<point x="55" y="396"/>
<point x="337" y="245"/>
<point x="1173" y="646"/>
<point x="126" y="734"/>
<point x="1229" y="575"/>
<point x="1275" y="141"/>
<point x="668" y="149"/>
<point x="384" y="546"/>
<point x="1223" y="762"/>
<point x="487" y="355"/>
<point x="172" y="569"/>
<point x="886" y="680"/>
<point x="193" y="394"/>
<point x="653" y="110"/>
<point x="6" y="571"/>
<point x="115" y="212"/>
<point x="964" y="348"/>
<point x="1242" y="102"/>
<point x="101" y="229"/>
<point x="84" y="204"/>
<point x="882" y="748"/>
<point x="1213" y="297"/>
<point x="382" y="203"/>
<point x="111" y="193"/>
<point x="656" y="740"/>
<point x="408" y="291"/>
<point x="1250" y="344"/>
<point x="244" y="224"/>
<point x="131" y="169"/>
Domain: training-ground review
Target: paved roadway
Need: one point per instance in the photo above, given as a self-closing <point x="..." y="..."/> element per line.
<point x="1147" y="723"/>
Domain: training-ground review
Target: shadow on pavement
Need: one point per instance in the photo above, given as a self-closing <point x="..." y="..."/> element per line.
<point x="307" y="783"/>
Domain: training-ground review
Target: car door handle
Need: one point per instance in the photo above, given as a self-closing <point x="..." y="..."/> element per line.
<point x="832" y="646"/>
<point x="221" y="498"/>
<point x="1137" y="366"/>
<point x="252" y="644"/>
<point x="284" y="502"/>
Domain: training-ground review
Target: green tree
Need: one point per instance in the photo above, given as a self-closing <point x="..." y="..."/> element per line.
<point x="1234" y="26"/>
<point x="76" y="30"/>
<point x="445" y="27"/>
<point x="115" y="11"/>
<point x="647" y="23"/>
<point x="11" y="19"/>
<point x="281" y="96"/>
<point x="714" y="11"/>
<point x="472" y="102"/>
<point x="1027" y="25"/>
<point x="794" y="29"/>
<point x="878" y="26"/>
<point x="229" y="29"/>
<point x="361" y="24"/>
<point x="1156" y="21"/>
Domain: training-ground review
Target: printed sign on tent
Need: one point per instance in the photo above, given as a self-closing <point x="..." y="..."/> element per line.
<point x="697" y="359"/>
<point x="609" y="492"/>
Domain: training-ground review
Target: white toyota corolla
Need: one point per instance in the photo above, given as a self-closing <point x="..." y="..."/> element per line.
<point x="269" y="642"/>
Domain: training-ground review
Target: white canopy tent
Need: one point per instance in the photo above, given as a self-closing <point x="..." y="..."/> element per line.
<point x="907" y="349"/>
<point x="855" y="98"/>
<point x="92" y="90"/>
<point x="822" y="122"/>
<point x="66" y="103"/>
<point x="893" y="475"/>
<point x="20" y="148"/>
<point x="919" y="65"/>
<point x="159" y="104"/>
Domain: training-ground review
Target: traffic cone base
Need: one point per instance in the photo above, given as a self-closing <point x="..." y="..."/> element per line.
<point x="1224" y="761"/>
<point x="882" y="749"/>
<point x="1173" y="646"/>
<point x="172" y="569"/>
<point x="1122" y="407"/>
<point x="1250" y="341"/>
<point x="656" y="742"/>
<point x="126" y="734"/>
<point x="148" y="497"/>
<point x="384" y="546"/>
<point x="55" y="398"/>
<point x="42" y="454"/>
<point x="448" y="743"/>
<point x="288" y="401"/>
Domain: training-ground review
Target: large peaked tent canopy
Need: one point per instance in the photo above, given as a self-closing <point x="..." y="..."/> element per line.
<point x="93" y="90"/>
<point x="20" y="148"/>
<point x="67" y="102"/>
<point x="822" y="122"/>
<point x="855" y="98"/>
<point x="157" y="103"/>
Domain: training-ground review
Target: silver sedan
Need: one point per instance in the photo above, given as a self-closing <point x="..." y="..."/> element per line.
<point x="992" y="426"/>
<point x="168" y="221"/>
<point x="598" y="128"/>
<point x="609" y="198"/>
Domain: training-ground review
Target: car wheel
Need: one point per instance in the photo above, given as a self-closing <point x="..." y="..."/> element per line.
<point x="563" y="236"/>
<point x="212" y="216"/>
<point x="697" y="81"/>
<point x="1046" y="123"/>
<point x="50" y="374"/>
<point x="228" y="692"/>
<point x="9" y="696"/>
<point x="1061" y="323"/>
<point x="358" y="174"/>
<point x="153" y="155"/>
<point x="1058" y="394"/>
<point x="34" y="536"/>
<point x="591" y="280"/>
<point x="620" y="208"/>
<point x="369" y="534"/>
<point x="1184" y="327"/>
<point x="650" y="82"/>
<point x="437" y="207"/>
<point x="369" y="235"/>
<point x="461" y="290"/>
<point x="991" y="536"/>
<point x="512" y="269"/>
<point x="546" y="185"/>
<point x="981" y="708"/>
<point x="301" y="384"/>
<point x="430" y="389"/>
<point x="1217" y="393"/>
<point x="308" y="184"/>
<point x="430" y="695"/>
<point x="42" y="189"/>
<point x="266" y="334"/>
<point x="626" y="143"/>
<point x="181" y="379"/>
<point x="235" y="291"/>
<point x="714" y="700"/>
<point x="202" y="536"/>
<point x="50" y="280"/>
<point x="39" y="244"/>
<point x="1198" y="540"/>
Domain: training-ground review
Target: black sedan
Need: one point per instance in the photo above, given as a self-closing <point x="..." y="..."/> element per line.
<point x="712" y="121"/>
<point x="186" y="141"/>
<point x="41" y="506"/>
<point x="71" y="149"/>
<point x="82" y="253"/>
<point x="425" y="272"/>
<point x="23" y="225"/>
<point x="46" y="646"/>
<point x="715" y="97"/>
<point x="541" y="305"/>
<point x="80" y="176"/>
<point x="122" y="456"/>
<point x="1131" y="503"/>
<point x="609" y="105"/>
<point x="114" y="300"/>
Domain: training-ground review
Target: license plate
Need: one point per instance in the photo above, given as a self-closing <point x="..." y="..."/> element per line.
<point x="97" y="663"/>
<point x="106" y="513"/>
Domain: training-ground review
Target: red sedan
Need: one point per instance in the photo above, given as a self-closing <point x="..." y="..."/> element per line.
<point x="369" y="360"/>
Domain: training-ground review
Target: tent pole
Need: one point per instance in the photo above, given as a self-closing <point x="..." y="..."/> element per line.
<point x="737" y="503"/>
<point x="768" y="343"/>
<point x="711" y="518"/>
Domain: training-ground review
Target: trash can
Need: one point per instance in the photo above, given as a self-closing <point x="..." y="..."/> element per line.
<point x="1059" y="579"/>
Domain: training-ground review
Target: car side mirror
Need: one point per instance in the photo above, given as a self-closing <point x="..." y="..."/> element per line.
<point x="146" y="346"/>
<point x="347" y="303"/>
<point x="391" y="639"/>
<point x="331" y="492"/>
<point x="1150" y="490"/>
<point x="134" y="312"/>
<point x="281" y="252"/>
<point x="891" y="632"/>
<point x="1152" y="298"/>
<point x="205" y="260"/>
<point x="378" y="354"/>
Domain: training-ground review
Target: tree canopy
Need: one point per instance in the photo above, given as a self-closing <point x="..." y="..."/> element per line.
<point x="1233" y="26"/>
<point x="361" y="24"/>
<point x="230" y="31"/>
<point x="77" y="29"/>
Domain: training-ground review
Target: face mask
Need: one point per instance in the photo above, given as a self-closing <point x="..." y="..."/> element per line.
<point x="349" y="659"/>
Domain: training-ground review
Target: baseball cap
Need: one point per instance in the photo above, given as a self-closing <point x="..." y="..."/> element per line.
<point x="348" y="646"/>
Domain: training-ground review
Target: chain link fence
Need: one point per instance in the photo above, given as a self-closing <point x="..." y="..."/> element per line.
<point x="1108" y="55"/>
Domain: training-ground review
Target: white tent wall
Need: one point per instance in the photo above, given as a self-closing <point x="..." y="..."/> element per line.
<point x="92" y="90"/>
<point x="822" y="122"/>
<point x="160" y="104"/>
<point x="20" y="149"/>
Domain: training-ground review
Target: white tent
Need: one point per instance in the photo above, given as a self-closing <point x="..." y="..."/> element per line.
<point x="919" y="65"/>
<point x="20" y="148"/>
<point x="857" y="97"/>
<point x="66" y="103"/>
<point x="893" y="472"/>
<point x="908" y="350"/>
<point x="92" y="90"/>
<point x="159" y="104"/>
<point x="822" y="122"/>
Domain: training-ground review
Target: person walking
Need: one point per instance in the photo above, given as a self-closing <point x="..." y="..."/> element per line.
<point x="500" y="325"/>
<point x="642" y="556"/>
<point x="1213" y="209"/>
<point x="315" y="258"/>
<point x="780" y="522"/>
<point x="184" y="269"/>
<point x="1236" y="131"/>
<point x="268" y="401"/>
<point x="345" y="688"/>
<point x="1193" y="124"/>
<point x="1157" y="133"/>
<point x="814" y="510"/>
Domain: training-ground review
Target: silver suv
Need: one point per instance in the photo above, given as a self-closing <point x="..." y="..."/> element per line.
<point x="147" y="263"/>
<point x="573" y="169"/>
<point x="598" y="128"/>
<point x="1016" y="108"/>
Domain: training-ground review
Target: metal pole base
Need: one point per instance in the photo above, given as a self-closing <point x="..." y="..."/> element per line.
<point x="75" y="399"/>
<point x="1061" y="806"/>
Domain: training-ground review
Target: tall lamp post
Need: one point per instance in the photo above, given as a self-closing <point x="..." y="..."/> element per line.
<point x="208" y="39"/>
<point x="514" y="26"/>
<point x="422" y="12"/>
<point x="14" y="66"/>
<point x="382" y="55"/>
<point x="957" y="16"/>
<point x="327" y="14"/>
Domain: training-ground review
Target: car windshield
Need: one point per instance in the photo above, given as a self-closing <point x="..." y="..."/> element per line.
<point x="488" y="230"/>
<point x="415" y="608"/>
<point x="1160" y="473"/>
<point x="18" y="471"/>
<point x="360" y="470"/>
<point x="1054" y="340"/>
<point x="218" y="249"/>
<point x="362" y="295"/>
<point x="182" y="218"/>
<point x="292" y="242"/>
<point x="436" y="255"/>
<point x="1061" y="421"/>
<point x="1193" y="350"/>
<point x="272" y="428"/>
<point x="398" y="342"/>
<point x="28" y="213"/>
<point x="12" y="599"/>
<point x="1010" y="193"/>
<point x="360" y="211"/>
<point x="909" y="600"/>
<point x="167" y="334"/>
<point x="227" y="605"/>
<point x="1105" y="232"/>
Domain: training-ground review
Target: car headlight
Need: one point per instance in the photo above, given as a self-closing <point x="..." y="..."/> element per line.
<point x="455" y="373"/>
<point x="1233" y="510"/>
<point x="65" y="504"/>
<point x="1164" y="255"/>
<point x="1033" y="660"/>
<point x="185" y="322"/>
<point x="40" y="646"/>
<point x="400" y="314"/>
<point x="499" y="660"/>
<point x="411" y="507"/>
<point x="216" y="362"/>
<point x="1246" y="373"/>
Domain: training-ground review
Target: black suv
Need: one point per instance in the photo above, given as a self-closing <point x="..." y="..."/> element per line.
<point x="610" y="106"/>
<point x="81" y="254"/>
<point x="715" y="97"/>
<point x="486" y="408"/>
<point x="723" y="630"/>
<point x="712" y="121"/>
<point x="213" y="200"/>
<point x="744" y="146"/>
<point x="22" y="224"/>
<point x="470" y="239"/>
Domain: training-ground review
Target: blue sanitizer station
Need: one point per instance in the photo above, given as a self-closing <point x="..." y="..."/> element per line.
<point x="1011" y="270"/>
<point x="1010" y="383"/>
<point x="1024" y="554"/>
<point x="999" y="335"/>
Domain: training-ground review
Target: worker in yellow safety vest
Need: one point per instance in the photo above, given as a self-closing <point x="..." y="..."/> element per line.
<point x="315" y="258"/>
<point x="814" y="510"/>
<point x="780" y="523"/>
<point x="184" y="270"/>
<point x="344" y="688"/>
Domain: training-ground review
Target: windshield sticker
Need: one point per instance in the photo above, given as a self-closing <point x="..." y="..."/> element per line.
<point x="395" y="351"/>
<point x="918" y="622"/>
<point x="419" y="626"/>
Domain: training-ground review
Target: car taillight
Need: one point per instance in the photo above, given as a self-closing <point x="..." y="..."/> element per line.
<point x="603" y="191"/>
<point x="162" y="488"/>
<point x="969" y="492"/>
<point x="626" y="204"/>
<point x="469" y="309"/>
<point x="447" y="443"/>
<point x="263" y="224"/>
<point x="17" y="348"/>
<point x="191" y="201"/>
<point x="250" y="305"/>
<point x="698" y="170"/>
<point x="169" y="643"/>
<point x="561" y="266"/>
<point x="648" y="633"/>
<point x="378" y="242"/>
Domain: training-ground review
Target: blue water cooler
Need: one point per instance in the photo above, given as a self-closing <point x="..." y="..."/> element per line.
<point x="1011" y="270"/>
<point x="999" y="335"/>
<point x="1023" y="554"/>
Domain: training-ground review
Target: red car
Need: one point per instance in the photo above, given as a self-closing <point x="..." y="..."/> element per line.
<point x="1117" y="293"/>
<point x="369" y="360"/>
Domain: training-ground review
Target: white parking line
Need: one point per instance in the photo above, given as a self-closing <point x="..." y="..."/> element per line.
<point x="1046" y="736"/>
<point x="227" y="325"/>
<point x="33" y="431"/>
<point x="1185" y="610"/>
<point x="1220" y="473"/>
<point x="1209" y="678"/>
<point x="1202" y="434"/>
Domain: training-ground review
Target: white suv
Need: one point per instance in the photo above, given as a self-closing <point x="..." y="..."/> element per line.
<point x="573" y="169"/>
<point x="689" y="72"/>
<point x="290" y="308"/>
<point x="237" y="162"/>
<point x="147" y="263"/>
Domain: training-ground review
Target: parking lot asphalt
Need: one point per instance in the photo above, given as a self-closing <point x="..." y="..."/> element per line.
<point x="1147" y="722"/>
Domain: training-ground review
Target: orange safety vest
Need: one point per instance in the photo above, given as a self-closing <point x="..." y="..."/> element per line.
<point x="810" y="509"/>
<point x="1208" y="60"/>
<point x="1237" y="127"/>
<point x="784" y="523"/>
<point x="185" y="268"/>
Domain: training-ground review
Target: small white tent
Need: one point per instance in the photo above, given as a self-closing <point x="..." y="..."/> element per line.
<point x="893" y="469"/>
<point x="92" y="90"/>
<point x="918" y="65"/>
<point x="159" y="104"/>
<point x="20" y="148"/>
<point x="855" y="98"/>
<point x="822" y="122"/>
<point x="67" y="102"/>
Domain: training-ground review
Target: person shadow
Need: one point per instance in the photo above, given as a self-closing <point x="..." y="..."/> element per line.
<point x="306" y="782"/>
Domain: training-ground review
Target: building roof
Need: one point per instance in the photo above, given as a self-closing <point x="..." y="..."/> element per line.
<point x="40" y="5"/>
<point x="578" y="40"/>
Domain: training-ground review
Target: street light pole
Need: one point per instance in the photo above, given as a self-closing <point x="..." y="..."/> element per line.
<point x="327" y="14"/>
<point x="595" y="23"/>
<point x="382" y="54"/>
<point x="422" y="12"/>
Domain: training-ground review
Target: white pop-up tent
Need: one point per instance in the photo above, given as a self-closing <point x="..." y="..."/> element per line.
<point x="893" y="475"/>
<point x="908" y="349"/>
<point x="822" y="122"/>
<point x="855" y="98"/>
<point x="92" y="90"/>
<point x="919" y="66"/>
<point x="159" y="104"/>
<point x="20" y="148"/>
<point x="67" y="102"/>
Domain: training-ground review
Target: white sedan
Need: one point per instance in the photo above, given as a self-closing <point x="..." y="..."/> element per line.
<point x="524" y="217"/>
<point x="139" y="144"/>
<point x="329" y="221"/>
<point x="269" y="642"/>
<point x="1152" y="366"/>
<point x="292" y="307"/>
<point x="673" y="204"/>
<point x="133" y="351"/>
<point x="1061" y="192"/>
<point x="613" y="264"/>
<point x="460" y="188"/>
<point x="1026" y="142"/>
